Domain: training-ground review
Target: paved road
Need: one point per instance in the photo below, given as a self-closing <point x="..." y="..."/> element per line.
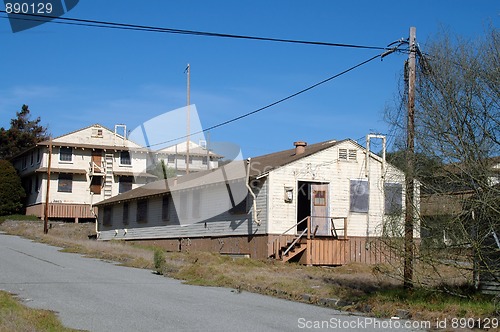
<point x="94" y="295"/>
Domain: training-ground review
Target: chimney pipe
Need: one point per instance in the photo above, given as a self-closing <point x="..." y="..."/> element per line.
<point x="300" y="147"/>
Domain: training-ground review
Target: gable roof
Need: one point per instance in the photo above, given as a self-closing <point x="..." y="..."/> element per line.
<point x="71" y="142"/>
<point x="84" y="128"/>
<point x="233" y="171"/>
<point x="264" y="164"/>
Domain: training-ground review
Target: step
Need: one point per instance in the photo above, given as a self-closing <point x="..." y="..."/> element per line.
<point x="294" y="252"/>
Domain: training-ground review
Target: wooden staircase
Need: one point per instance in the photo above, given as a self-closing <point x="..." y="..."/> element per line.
<point x="286" y="248"/>
<point x="292" y="249"/>
<point x="108" y="177"/>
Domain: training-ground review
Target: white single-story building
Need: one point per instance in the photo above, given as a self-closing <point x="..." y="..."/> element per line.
<point x="320" y="204"/>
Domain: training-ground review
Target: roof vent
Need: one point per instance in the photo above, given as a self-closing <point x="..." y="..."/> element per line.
<point x="300" y="147"/>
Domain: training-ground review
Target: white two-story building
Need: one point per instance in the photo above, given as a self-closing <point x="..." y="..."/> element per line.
<point x="86" y="167"/>
<point x="201" y="158"/>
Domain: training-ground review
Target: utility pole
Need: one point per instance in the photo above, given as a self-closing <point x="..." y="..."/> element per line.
<point x="46" y="212"/>
<point x="188" y="69"/>
<point x="208" y="149"/>
<point x="410" y="165"/>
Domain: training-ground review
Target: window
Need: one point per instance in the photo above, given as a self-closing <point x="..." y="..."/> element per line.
<point x="38" y="155"/>
<point x="66" y="154"/>
<point x="108" y="216"/>
<point x="393" y="198"/>
<point x="32" y="158"/>
<point x="171" y="159"/>
<point x="65" y="183"/>
<point x="125" y="184"/>
<point x="37" y="183"/>
<point x="25" y="162"/>
<point x="142" y="211"/>
<point x="359" y="196"/>
<point x="96" y="185"/>
<point x="319" y="198"/>
<point x="97" y="132"/>
<point x="125" y="213"/>
<point x="165" y="215"/>
<point x="348" y="154"/>
<point x="204" y="160"/>
<point x="125" y="158"/>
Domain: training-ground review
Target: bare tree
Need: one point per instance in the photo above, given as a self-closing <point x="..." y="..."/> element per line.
<point x="457" y="123"/>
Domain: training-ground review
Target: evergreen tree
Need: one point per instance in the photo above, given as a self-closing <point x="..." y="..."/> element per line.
<point x="11" y="190"/>
<point x="22" y="134"/>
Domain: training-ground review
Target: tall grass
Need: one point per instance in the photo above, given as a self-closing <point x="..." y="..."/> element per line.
<point x="16" y="317"/>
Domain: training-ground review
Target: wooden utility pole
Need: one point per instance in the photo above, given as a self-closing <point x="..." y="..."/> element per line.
<point x="208" y="149"/>
<point x="46" y="212"/>
<point x="188" y="69"/>
<point x="410" y="165"/>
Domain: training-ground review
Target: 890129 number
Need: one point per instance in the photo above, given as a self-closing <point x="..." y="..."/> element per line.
<point x="28" y="8"/>
<point x="471" y="323"/>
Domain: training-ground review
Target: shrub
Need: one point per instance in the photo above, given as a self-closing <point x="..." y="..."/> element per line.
<point x="159" y="260"/>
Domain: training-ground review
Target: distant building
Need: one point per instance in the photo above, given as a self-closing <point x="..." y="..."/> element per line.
<point x="200" y="157"/>
<point x="87" y="166"/>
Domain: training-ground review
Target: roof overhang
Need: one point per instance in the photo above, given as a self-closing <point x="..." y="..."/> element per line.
<point x="139" y="174"/>
<point x="62" y="170"/>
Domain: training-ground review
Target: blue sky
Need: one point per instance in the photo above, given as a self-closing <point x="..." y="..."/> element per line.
<point x="75" y="76"/>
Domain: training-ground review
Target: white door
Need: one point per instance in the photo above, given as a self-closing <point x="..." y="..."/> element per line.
<point x="319" y="209"/>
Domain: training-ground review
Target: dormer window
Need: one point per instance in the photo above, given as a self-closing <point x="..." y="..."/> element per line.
<point x="97" y="132"/>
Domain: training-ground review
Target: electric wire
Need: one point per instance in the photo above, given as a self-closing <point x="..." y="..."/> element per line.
<point x="271" y="104"/>
<point x="136" y="27"/>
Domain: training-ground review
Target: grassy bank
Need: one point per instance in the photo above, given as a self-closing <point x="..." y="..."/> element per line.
<point x="352" y="287"/>
<point x="16" y="317"/>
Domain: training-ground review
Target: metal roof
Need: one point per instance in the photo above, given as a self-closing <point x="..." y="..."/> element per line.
<point x="233" y="171"/>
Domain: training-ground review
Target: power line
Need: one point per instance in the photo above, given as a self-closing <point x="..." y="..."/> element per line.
<point x="124" y="26"/>
<point x="271" y="104"/>
<point x="135" y="27"/>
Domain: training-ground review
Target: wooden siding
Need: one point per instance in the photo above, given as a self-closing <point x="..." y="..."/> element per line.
<point x="489" y="283"/>
<point x="325" y="167"/>
<point x="59" y="210"/>
<point x="253" y="246"/>
<point x="489" y="266"/>
<point x="212" y="200"/>
<point x="443" y="204"/>
<point x="324" y="251"/>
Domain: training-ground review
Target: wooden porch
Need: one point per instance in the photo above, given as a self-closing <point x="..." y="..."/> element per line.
<point x="337" y="249"/>
<point x="63" y="211"/>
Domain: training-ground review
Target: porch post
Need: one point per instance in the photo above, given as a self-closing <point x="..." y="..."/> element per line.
<point x="309" y="243"/>
<point x="345" y="228"/>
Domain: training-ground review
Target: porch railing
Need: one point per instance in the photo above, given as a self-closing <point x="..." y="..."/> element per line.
<point x="95" y="169"/>
<point x="333" y="229"/>
<point x="283" y="239"/>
